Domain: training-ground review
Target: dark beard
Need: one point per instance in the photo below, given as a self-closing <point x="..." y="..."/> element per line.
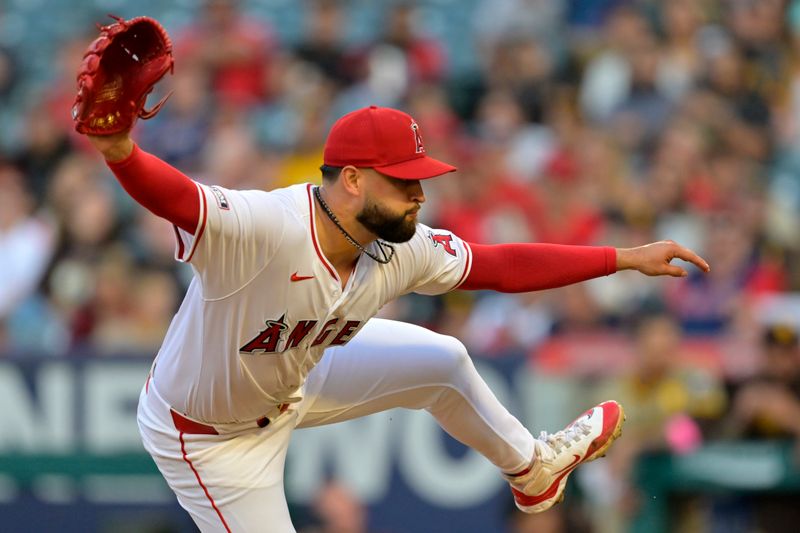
<point x="387" y="226"/>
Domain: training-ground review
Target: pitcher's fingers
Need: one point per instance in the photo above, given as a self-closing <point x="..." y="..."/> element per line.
<point x="688" y="255"/>
<point x="675" y="271"/>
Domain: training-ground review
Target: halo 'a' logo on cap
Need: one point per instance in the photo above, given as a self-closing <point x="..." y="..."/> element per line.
<point x="417" y="138"/>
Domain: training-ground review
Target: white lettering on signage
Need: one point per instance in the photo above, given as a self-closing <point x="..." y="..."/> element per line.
<point x="111" y="397"/>
<point x="358" y="451"/>
<point x="38" y="420"/>
<point x="73" y="408"/>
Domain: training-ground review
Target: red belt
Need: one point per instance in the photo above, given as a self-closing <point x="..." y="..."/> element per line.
<point x="192" y="427"/>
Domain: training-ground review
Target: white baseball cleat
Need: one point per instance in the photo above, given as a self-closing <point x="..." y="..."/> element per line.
<point x="556" y="455"/>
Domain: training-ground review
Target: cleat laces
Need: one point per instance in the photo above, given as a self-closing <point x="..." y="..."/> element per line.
<point x="566" y="437"/>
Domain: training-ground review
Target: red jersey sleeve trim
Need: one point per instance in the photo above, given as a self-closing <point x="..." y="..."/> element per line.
<point x="202" y="224"/>
<point x="184" y="253"/>
<point x="467" y="266"/>
<point x="179" y="242"/>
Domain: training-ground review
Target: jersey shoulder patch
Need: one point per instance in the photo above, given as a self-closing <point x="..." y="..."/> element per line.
<point x="222" y="200"/>
<point x="445" y="240"/>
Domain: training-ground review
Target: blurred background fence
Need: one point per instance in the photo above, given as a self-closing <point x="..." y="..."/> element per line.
<point x="587" y="122"/>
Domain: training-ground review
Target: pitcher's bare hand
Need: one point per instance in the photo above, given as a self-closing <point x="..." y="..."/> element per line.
<point x="654" y="259"/>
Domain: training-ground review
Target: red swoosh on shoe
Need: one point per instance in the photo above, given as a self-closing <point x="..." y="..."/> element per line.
<point x="528" y="501"/>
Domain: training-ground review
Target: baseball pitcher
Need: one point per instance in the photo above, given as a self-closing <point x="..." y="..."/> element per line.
<point x="276" y="330"/>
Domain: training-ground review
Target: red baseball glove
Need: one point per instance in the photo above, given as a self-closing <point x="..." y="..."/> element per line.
<point x="119" y="70"/>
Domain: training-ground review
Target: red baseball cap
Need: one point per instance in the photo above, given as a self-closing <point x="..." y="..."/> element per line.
<point x="384" y="139"/>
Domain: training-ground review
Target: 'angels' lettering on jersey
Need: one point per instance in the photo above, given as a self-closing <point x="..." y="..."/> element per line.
<point x="271" y="338"/>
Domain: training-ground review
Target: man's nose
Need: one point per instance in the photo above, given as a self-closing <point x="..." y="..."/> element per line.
<point x="415" y="192"/>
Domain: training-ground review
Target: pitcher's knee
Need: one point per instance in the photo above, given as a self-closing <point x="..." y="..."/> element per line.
<point x="449" y="358"/>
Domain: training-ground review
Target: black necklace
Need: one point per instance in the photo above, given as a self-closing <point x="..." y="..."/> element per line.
<point x="382" y="245"/>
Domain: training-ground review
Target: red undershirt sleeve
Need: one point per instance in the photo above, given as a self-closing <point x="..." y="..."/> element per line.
<point x="535" y="266"/>
<point x="159" y="187"/>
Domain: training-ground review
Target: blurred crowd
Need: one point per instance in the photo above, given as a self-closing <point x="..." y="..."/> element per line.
<point x="584" y="122"/>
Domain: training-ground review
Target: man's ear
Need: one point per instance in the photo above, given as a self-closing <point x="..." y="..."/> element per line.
<point x="352" y="180"/>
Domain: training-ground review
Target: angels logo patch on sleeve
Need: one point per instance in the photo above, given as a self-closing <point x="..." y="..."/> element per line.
<point x="445" y="240"/>
<point x="441" y="262"/>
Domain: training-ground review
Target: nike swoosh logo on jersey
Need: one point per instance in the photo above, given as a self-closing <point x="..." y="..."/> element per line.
<point x="295" y="277"/>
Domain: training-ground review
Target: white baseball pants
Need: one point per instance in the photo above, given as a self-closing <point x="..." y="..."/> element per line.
<point x="234" y="481"/>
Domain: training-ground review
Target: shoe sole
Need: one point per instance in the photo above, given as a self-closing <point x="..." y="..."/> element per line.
<point x="558" y="497"/>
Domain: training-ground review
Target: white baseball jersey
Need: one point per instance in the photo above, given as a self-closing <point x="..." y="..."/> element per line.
<point x="265" y="302"/>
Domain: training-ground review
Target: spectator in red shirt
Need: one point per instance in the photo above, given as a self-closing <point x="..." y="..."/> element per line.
<point x="233" y="49"/>
<point x="424" y="55"/>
